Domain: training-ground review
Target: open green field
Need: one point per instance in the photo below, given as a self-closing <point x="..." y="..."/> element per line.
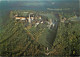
<point x="75" y="19"/>
<point x="43" y="35"/>
<point x="49" y="15"/>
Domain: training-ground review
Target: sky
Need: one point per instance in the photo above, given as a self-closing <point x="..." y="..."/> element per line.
<point x="41" y="2"/>
<point x="37" y="0"/>
<point x="26" y="0"/>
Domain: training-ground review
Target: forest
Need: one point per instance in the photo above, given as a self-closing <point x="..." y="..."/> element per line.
<point x="67" y="41"/>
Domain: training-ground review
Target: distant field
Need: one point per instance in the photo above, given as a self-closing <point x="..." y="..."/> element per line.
<point x="49" y="15"/>
<point x="75" y="19"/>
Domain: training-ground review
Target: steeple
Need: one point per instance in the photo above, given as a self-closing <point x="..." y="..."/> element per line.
<point x="29" y="19"/>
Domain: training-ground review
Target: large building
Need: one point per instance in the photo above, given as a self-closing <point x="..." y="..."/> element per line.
<point x="28" y="18"/>
<point x="20" y="18"/>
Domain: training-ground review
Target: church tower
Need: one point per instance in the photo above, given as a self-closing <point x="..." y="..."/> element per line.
<point x="29" y="20"/>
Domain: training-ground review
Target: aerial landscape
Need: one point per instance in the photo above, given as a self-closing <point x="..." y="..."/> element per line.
<point x="39" y="28"/>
